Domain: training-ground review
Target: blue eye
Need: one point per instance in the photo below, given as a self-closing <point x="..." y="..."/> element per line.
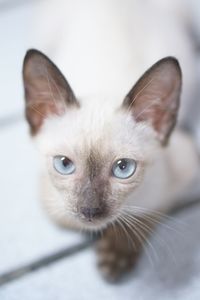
<point x="124" y="168"/>
<point x="63" y="165"/>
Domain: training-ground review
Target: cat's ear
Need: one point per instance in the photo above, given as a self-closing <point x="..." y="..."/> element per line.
<point x="46" y="90"/>
<point x="155" y="97"/>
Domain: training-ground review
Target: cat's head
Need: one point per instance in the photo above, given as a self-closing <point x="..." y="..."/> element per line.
<point x="95" y="155"/>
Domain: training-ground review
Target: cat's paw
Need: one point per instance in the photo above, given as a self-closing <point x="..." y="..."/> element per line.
<point x="115" y="258"/>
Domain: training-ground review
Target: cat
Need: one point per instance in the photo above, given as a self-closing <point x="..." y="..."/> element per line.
<point x="109" y="161"/>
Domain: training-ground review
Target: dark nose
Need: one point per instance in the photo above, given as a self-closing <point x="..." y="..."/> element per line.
<point x="91" y="212"/>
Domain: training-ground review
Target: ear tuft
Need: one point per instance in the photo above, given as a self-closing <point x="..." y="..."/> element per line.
<point x="155" y="97"/>
<point x="46" y="90"/>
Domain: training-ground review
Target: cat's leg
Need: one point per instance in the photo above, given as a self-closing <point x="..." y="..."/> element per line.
<point x="120" y="246"/>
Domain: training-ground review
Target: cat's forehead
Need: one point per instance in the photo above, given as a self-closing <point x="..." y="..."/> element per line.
<point x="99" y="130"/>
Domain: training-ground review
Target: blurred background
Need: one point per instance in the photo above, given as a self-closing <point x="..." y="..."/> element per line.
<point x="26" y="235"/>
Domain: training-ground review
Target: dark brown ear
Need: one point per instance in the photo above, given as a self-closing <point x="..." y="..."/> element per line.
<point x="46" y="90"/>
<point x="155" y="97"/>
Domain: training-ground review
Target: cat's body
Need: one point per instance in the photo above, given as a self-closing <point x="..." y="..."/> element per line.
<point x="103" y="49"/>
<point x="104" y="46"/>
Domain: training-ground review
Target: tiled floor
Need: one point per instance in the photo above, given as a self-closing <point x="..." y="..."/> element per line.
<point x="172" y="273"/>
<point x="25" y="232"/>
<point x="26" y="235"/>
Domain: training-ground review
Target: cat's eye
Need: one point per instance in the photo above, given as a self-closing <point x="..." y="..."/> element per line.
<point x="63" y="165"/>
<point x="124" y="168"/>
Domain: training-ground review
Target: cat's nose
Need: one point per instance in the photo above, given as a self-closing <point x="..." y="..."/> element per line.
<point x="91" y="212"/>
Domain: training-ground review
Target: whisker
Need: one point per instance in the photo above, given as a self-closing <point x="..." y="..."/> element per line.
<point x="129" y="238"/>
<point x="145" y="238"/>
<point x="155" y="212"/>
<point x="142" y="240"/>
<point x="113" y="224"/>
<point x="161" y="241"/>
<point x="128" y="225"/>
<point x="154" y="220"/>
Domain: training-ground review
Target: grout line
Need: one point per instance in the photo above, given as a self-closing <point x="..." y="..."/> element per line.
<point x="10" y="120"/>
<point x="8" y="5"/>
<point x="183" y="206"/>
<point x="22" y="271"/>
<point x="19" y="272"/>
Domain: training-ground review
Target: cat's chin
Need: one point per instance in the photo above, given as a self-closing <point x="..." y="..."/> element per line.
<point x="95" y="225"/>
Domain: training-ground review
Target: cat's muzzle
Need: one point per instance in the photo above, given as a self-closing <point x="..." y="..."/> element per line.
<point x="91" y="213"/>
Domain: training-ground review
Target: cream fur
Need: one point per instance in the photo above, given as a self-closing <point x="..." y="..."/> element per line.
<point x="103" y="47"/>
<point x="162" y="173"/>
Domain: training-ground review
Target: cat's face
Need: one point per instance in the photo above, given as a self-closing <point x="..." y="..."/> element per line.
<point x="95" y="155"/>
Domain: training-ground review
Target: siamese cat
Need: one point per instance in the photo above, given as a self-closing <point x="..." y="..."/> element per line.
<point x="109" y="162"/>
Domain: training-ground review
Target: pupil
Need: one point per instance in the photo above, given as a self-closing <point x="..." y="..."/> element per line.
<point x="65" y="161"/>
<point x="122" y="164"/>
